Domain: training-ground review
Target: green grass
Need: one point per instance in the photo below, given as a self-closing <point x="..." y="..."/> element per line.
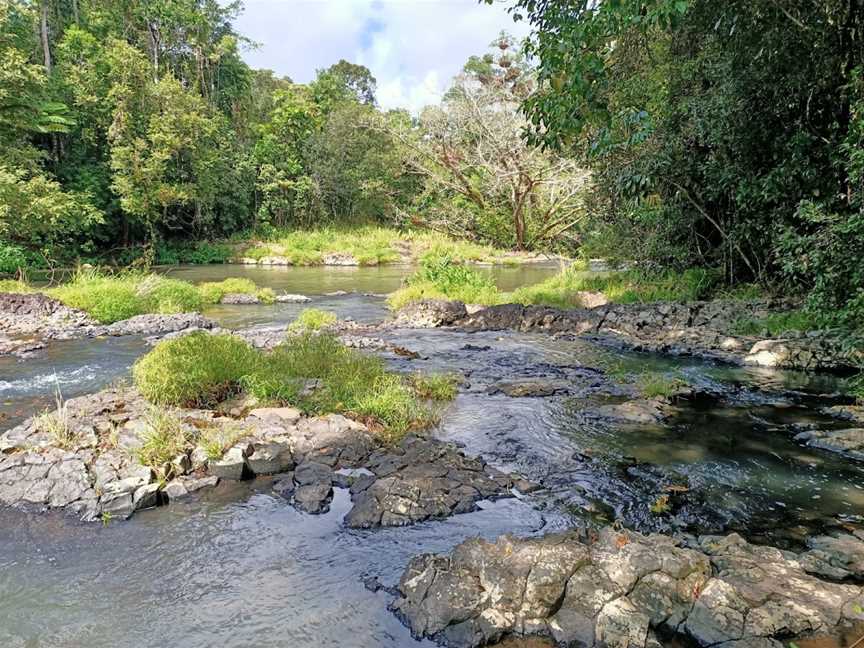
<point x="655" y="384"/>
<point x="212" y="292"/>
<point x="15" y="286"/>
<point x="111" y="298"/>
<point x="195" y="370"/>
<point x="217" y="440"/>
<point x="312" y="319"/>
<point x="439" y="387"/>
<point x="779" y="324"/>
<point x="442" y="278"/>
<point x="370" y="245"/>
<point x="162" y="441"/>
<point x="200" y="370"/>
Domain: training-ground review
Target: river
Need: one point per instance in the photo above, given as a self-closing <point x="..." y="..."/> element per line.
<point x="239" y="567"/>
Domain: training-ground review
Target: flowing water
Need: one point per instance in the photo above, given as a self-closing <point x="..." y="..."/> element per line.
<point x="239" y="567"/>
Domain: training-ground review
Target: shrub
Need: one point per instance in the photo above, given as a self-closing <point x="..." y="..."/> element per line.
<point x="12" y="258"/>
<point x="313" y="319"/>
<point x="779" y="324"/>
<point x="196" y="370"/>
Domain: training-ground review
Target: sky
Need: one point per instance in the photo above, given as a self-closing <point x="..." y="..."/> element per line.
<point x="413" y="47"/>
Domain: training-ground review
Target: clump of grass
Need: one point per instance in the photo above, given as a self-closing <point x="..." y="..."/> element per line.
<point x="654" y="384"/>
<point x="439" y="387"/>
<point x="195" y="370"/>
<point x="661" y="505"/>
<point x="58" y="424"/>
<point x="201" y="369"/>
<point x="111" y="298"/>
<point x="779" y="324"/>
<point x="217" y="440"/>
<point x="313" y="319"/>
<point x="163" y="440"/>
<point x="440" y="277"/>
<point x="212" y="292"/>
<point x="15" y="286"/>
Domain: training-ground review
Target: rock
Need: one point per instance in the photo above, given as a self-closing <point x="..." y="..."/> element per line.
<point x="239" y="299"/>
<point x="153" y="325"/>
<point x="339" y="259"/>
<point x="287" y="298"/>
<point x="277" y="415"/>
<point x="270" y="458"/>
<point x="233" y="464"/>
<point x="843" y="552"/>
<point x="431" y="313"/>
<point x="420" y="480"/>
<point x="193" y="485"/>
<point x="146" y="496"/>
<point x="635" y="411"/>
<point x="175" y="489"/>
<point x="530" y="388"/>
<point x="617" y="590"/>
<point x="848" y="442"/>
<point x="313" y="487"/>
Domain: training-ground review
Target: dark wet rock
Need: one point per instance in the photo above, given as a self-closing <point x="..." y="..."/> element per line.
<point x="313" y="487"/>
<point x="616" y="591"/>
<point x="239" y="299"/>
<point x="431" y="313"/>
<point x="848" y="442"/>
<point x="419" y="480"/>
<point x="36" y="314"/>
<point x="20" y="347"/>
<point x="530" y="388"/>
<point x="854" y="413"/>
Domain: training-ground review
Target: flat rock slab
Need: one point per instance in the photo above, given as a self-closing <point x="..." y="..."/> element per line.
<point x="420" y="480"/>
<point x="616" y="589"/>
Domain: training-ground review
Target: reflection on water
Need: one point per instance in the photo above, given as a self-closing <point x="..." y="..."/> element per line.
<point x="319" y="280"/>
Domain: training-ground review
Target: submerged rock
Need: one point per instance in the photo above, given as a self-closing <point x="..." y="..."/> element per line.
<point x="616" y="591"/>
<point x="848" y="442"/>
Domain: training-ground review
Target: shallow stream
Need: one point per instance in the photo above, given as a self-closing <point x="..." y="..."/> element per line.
<point x="239" y="567"/>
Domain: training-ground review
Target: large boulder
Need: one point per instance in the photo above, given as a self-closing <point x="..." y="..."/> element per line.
<point x="431" y="313"/>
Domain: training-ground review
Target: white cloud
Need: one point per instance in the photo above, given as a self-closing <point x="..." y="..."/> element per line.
<point x="412" y="47"/>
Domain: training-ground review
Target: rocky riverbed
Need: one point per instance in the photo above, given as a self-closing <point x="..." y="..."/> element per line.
<point x="699" y="329"/>
<point x="558" y="436"/>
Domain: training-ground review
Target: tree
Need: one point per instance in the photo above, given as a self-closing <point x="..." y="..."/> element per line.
<point x="482" y="177"/>
<point x="356" y="78"/>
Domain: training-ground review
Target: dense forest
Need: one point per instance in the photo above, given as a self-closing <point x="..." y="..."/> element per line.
<point x="670" y="133"/>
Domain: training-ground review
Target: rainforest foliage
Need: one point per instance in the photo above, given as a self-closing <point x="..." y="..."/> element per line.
<point x="723" y="134"/>
<point x="124" y="125"/>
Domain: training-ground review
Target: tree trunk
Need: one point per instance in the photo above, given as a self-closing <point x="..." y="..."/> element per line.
<point x="43" y="32"/>
<point x="75" y="14"/>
